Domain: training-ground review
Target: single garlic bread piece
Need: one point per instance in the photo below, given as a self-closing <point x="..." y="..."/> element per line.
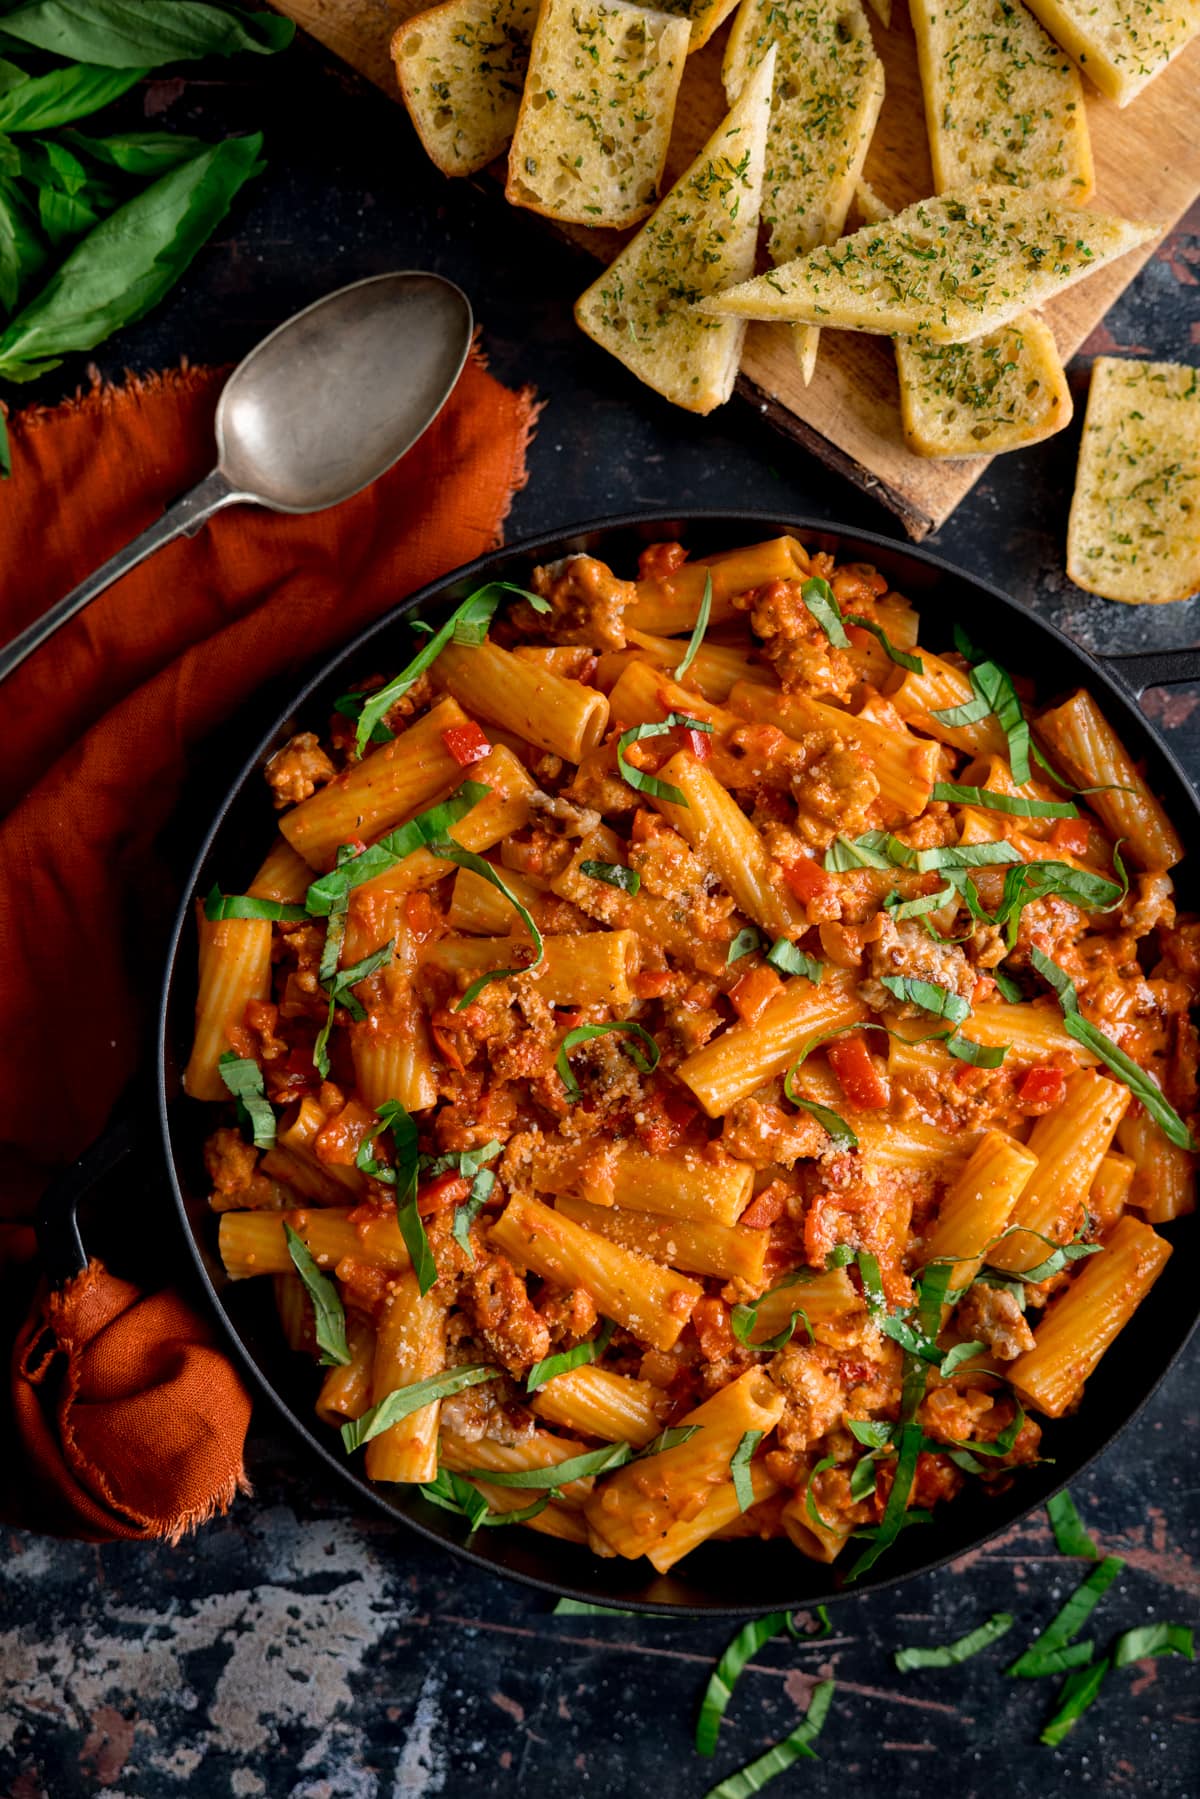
<point x="1001" y="392"/>
<point x="1134" y="533"/>
<point x="595" y="120"/>
<point x="1003" y="104"/>
<point x="828" y="92"/>
<point x="701" y="239"/>
<point x="461" y="67"/>
<point x="947" y="270"/>
<point x="1120" y="44"/>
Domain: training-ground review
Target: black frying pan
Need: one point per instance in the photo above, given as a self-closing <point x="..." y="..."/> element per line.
<point x="730" y="1578"/>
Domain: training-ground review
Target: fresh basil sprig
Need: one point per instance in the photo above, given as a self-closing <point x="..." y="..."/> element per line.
<point x="128" y="34"/>
<point x="821" y="601"/>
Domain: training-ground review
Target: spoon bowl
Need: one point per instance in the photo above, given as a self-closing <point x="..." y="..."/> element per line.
<point x="315" y="413"/>
<point x="333" y="397"/>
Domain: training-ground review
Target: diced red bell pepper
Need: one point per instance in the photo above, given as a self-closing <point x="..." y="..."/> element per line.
<point x="754" y="992"/>
<point x="419" y="915"/>
<point x="447" y="1189"/>
<point x="466" y="743"/>
<point x="857" y="1074"/>
<point x="807" y="879"/>
<point x="652" y="983"/>
<point x="698" y="742"/>
<point x="1041" y="1090"/>
<point x="1070" y="835"/>
<point x="710" y="1320"/>
<point x="767" y="1209"/>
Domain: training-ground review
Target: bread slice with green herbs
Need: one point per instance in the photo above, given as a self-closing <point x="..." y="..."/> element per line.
<point x="1134" y="533"/>
<point x="701" y="238"/>
<point x="1120" y="44"/>
<point x="461" y="67"/>
<point x="1003" y="104"/>
<point x="595" y="120"/>
<point x="1001" y="392"/>
<point x="828" y="92"/>
<point x="947" y="270"/>
<point x="703" y="16"/>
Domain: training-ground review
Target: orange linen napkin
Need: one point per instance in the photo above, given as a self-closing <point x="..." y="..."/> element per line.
<point x="125" y="1419"/>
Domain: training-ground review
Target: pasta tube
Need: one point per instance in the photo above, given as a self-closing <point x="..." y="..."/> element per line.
<point x="1086" y="1317"/>
<point x="652" y="1302"/>
<point x="562" y="717"/>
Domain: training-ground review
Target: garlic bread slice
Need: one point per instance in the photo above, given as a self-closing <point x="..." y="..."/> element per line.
<point x="828" y="93"/>
<point x="947" y="270"/>
<point x="1001" y="392"/>
<point x="701" y="238"/>
<point x="461" y="67"/>
<point x="1003" y="104"/>
<point x="1120" y="44"/>
<point x="1134" y="533"/>
<point x="595" y="120"/>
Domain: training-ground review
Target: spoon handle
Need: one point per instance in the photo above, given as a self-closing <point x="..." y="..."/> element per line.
<point x="185" y="517"/>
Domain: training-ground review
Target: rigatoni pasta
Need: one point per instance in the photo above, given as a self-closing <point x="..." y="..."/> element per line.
<point x="688" y="1088"/>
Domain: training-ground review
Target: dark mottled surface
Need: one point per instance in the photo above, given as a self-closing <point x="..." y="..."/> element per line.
<point x="301" y="1649"/>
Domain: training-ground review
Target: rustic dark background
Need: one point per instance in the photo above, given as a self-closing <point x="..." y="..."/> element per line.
<point x="301" y="1648"/>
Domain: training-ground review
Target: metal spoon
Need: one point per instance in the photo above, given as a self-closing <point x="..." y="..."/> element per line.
<point x="323" y="407"/>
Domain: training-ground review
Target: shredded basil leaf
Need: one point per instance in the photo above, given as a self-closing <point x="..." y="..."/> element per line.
<point x="863" y="1477"/>
<point x="1101" y="1044"/>
<point x="949" y="1655"/>
<point x="455" y="1494"/>
<point x="719" y="1691"/>
<point x="1078" y="1691"/>
<point x="391" y="1116"/>
<point x="560" y="1474"/>
<point x="1014" y="803"/>
<point x="819" y="597"/>
<point x="402" y="1401"/>
<point x="1153" y="1639"/>
<point x="333" y="889"/>
<point x="913" y="664"/>
<point x="637" y="777"/>
<point x="739" y="1468"/>
<point x="744" y="944"/>
<point x="667" y="1439"/>
<point x="244" y="1080"/>
<point x="830" y="1121"/>
<point x="577" y="1357"/>
<point x="454" y="852"/>
<point x="842" y="855"/>
<point x="785" y="958"/>
<point x="810" y="1504"/>
<point x="469" y="1163"/>
<point x="871" y="1434"/>
<point x="584" y="1033"/>
<point x="1069" y="1534"/>
<point x="1065" y="1626"/>
<point x="220" y="905"/>
<point x="755" y="1775"/>
<point x="954" y="1358"/>
<point x="1008" y="988"/>
<point x="615" y="873"/>
<point x="698" y="630"/>
<point x="576" y="1608"/>
<point x="1037" y="880"/>
<point x="929" y="996"/>
<point x="329" y="1318"/>
<point x="468" y="624"/>
<point x="743" y="1318"/>
<point x="340" y="994"/>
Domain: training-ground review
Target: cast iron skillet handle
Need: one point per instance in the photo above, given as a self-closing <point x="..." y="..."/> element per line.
<point x="1154" y="668"/>
<point x="59" y="1241"/>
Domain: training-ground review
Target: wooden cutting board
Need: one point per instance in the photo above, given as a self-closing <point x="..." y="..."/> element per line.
<point x="1147" y="166"/>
